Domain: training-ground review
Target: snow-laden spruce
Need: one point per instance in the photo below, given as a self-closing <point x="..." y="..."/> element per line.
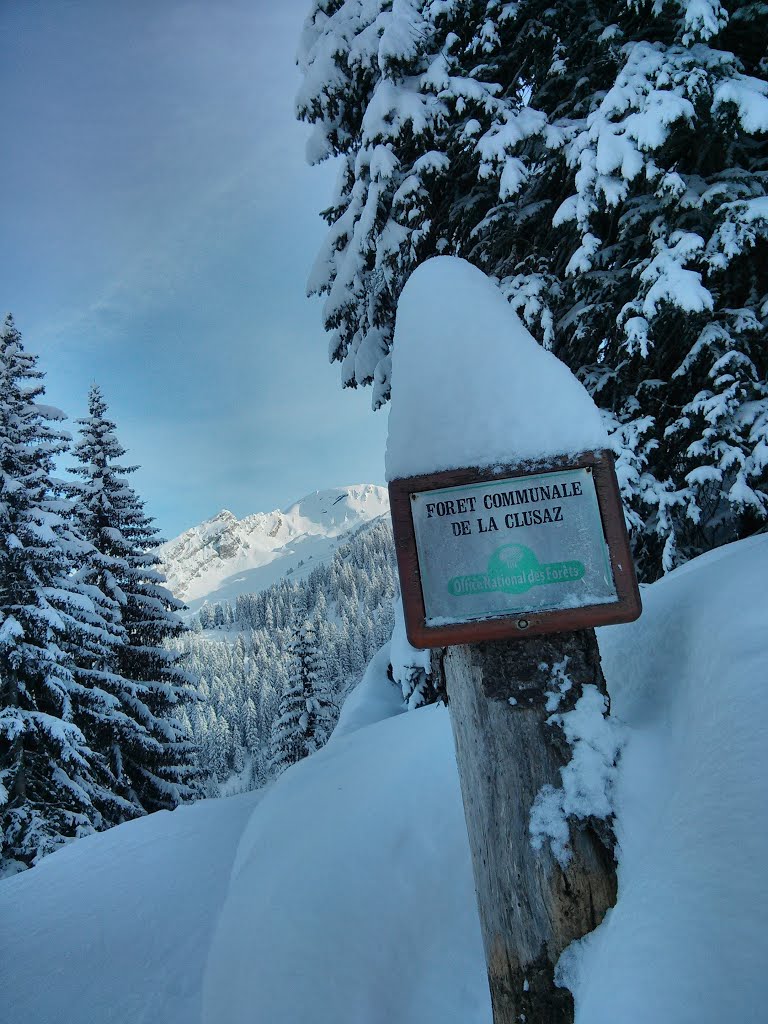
<point x="143" y="737"/>
<point x="90" y="731"/>
<point x="608" y="166"/>
<point x="241" y="654"/>
<point x="306" y="713"/>
<point x="411" y="668"/>
<point x="55" y="785"/>
<point x="471" y="386"/>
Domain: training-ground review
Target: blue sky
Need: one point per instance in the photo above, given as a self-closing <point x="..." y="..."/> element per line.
<point x="158" y="226"/>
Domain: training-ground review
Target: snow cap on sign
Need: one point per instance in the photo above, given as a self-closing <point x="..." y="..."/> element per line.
<point x="471" y="386"/>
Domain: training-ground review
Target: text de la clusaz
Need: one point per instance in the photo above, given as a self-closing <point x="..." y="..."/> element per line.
<point x="493" y="505"/>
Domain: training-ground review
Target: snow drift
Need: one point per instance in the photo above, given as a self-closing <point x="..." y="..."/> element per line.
<point x="686" y="943"/>
<point x="344" y="896"/>
<point x="470" y="381"/>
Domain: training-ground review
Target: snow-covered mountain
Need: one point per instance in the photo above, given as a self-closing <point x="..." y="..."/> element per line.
<point x="226" y="556"/>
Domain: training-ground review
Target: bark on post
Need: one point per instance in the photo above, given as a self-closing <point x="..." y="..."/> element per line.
<point x="531" y="909"/>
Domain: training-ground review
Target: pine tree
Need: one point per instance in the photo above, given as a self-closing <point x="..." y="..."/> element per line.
<point x="306" y="713"/>
<point x="251" y="727"/>
<point x="148" y="747"/>
<point x="53" y="785"/>
<point x="242" y="678"/>
<point x="608" y="164"/>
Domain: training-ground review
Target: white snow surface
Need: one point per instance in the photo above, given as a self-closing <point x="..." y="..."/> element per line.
<point x="588" y="779"/>
<point x="343" y="894"/>
<point x="686" y="942"/>
<point x="339" y="910"/>
<point x="116" y="927"/>
<point x="471" y="386"/>
<point x="374" y="698"/>
<point x="226" y="556"/>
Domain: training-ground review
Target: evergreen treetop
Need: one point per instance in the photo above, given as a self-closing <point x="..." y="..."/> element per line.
<point x="608" y="164"/>
<point x="306" y="714"/>
<point x="150" y="750"/>
<point x="53" y="785"/>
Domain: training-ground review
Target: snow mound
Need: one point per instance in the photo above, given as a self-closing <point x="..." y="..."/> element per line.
<point x="351" y="899"/>
<point x="115" y="928"/>
<point x="687" y="942"/>
<point x="470" y="384"/>
<point x="345" y="895"/>
<point x="374" y="698"/>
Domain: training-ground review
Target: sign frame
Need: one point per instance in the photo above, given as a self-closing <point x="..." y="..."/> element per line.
<point x="519" y="625"/>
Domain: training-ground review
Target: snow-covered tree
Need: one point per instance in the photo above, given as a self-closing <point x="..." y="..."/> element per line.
<point x="53" y="785"/>
<point x="413" y="669"/>
<point x="242" y="674"/>
<point x="145" y="740"/>
<point x="608" y="164"/>
<point x="306" y="713"/>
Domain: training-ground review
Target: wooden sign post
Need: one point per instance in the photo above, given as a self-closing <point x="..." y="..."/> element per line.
<point x="510" y="568"/>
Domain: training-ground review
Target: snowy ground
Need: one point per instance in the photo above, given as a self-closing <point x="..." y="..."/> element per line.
<point x="344" y="895"/>
<point x="116" y="927"/>
<point x="686" y="943"/>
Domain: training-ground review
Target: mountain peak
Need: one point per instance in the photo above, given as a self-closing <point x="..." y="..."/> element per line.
<point x="223" y="516"/>
<point x="226" y="556"/>
<point x="340" y="504"/>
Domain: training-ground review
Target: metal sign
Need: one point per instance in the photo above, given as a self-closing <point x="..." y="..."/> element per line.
<point x="491" y="554"/>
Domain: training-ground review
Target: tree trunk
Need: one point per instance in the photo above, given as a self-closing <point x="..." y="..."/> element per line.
<point x="530" y="907"/>
<point x="15" y="756"/>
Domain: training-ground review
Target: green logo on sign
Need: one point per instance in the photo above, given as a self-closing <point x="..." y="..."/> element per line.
<point x="513" y="569"/>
